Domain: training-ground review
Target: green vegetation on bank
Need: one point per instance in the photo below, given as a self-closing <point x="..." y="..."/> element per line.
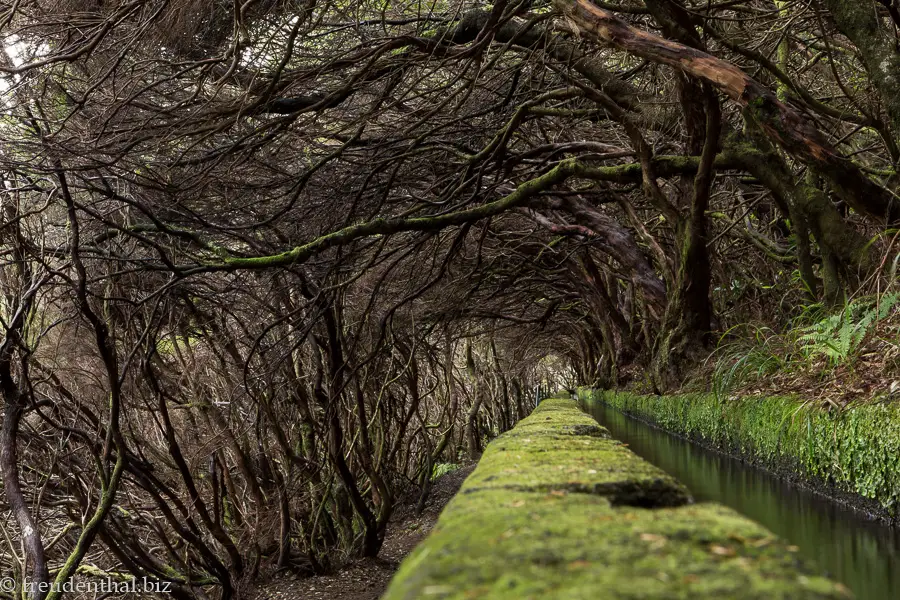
<point x="852" y="451"/>
<point x="857" y="342"/>
<point x="558" y="509"/>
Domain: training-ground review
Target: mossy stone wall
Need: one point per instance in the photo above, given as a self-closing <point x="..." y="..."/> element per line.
<point x="558" y="509"/>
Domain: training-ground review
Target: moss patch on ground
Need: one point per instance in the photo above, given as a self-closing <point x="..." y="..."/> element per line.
<point x="558" y="509"/>
<point x="852" y="452"/>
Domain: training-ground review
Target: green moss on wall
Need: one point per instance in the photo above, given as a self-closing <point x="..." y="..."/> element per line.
<point x="547" y="514"/>
<point x="854" y="451"/>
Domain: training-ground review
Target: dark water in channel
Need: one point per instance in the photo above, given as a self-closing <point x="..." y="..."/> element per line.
<point x="861" y="554"/>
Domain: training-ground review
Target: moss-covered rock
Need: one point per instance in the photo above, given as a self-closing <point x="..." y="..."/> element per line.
<point x="557" y="509"/>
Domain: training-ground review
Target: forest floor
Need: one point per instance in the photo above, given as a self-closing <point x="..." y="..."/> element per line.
<point x="854" y="363"/>
<point x="367" y="579"/>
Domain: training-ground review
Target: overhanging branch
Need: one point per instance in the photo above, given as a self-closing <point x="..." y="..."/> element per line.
<point x="789" y="128"/>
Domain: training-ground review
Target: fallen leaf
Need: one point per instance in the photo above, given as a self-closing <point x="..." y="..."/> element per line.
<point x="722" y="550"/>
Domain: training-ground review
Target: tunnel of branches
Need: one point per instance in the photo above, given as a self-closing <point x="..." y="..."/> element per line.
<point x="267" y="264"/>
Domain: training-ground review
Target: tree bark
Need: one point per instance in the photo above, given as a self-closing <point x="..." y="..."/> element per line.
<point x="31" y="535"/>
<point x="787" y="127"/>
<point x="686" y="332"/>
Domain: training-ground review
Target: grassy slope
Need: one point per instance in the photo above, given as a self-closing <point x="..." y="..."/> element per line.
<point x="854" y="451"/>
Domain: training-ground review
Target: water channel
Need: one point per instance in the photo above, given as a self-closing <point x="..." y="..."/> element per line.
<point x="861" y="554"/>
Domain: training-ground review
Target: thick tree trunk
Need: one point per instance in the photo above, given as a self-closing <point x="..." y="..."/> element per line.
<point x="685" y="336"/>
<point x="473" y="443"/>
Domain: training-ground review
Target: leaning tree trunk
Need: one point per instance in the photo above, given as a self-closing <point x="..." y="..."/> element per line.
<point x="786" y="126"/>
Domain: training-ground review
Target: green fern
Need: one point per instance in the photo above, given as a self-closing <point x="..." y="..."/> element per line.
<point x="839" y="336"/>
<point x="747" y="352"/>
<point x="441" y="469"/>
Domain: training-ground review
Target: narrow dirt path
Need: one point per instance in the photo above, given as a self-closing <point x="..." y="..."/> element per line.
<point x="366" y="579"/>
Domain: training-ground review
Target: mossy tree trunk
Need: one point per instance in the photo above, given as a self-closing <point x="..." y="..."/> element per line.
<point x="685" y="336"/>
<point x="846" y="255"/>
<point x="876" y="41"/>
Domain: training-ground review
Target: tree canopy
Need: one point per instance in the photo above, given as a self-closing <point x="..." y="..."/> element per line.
<point x="267" y="263"/>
